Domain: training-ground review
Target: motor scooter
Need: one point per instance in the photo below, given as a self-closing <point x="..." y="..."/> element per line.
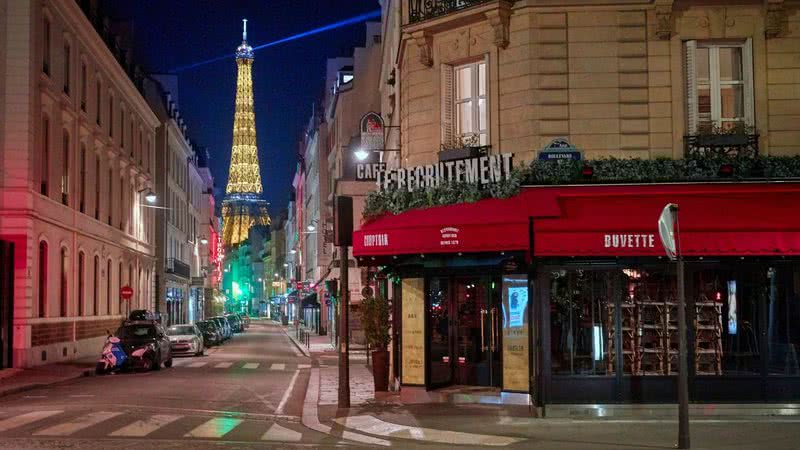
<point x="113" y="357"/>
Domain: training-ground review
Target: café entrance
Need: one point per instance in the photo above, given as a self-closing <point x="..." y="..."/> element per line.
<point x="464" y="320"/>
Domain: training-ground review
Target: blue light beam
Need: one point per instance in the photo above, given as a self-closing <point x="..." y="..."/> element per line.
<point x="342" y="23"/>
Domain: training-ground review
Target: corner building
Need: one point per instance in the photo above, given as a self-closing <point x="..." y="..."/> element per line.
<point x="77" y="152"/>
<point x="561" y="292"/>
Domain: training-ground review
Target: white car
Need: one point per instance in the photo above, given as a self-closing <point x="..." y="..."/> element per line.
<point x="186" y="339"/>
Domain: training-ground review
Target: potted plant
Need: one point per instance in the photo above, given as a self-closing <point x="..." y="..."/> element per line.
<point x="375" y="322"/>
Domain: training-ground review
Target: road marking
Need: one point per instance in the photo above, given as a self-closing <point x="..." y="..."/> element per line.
<point x="251" y="366"/>
<point x="278" y="366"/>
<point x="372" y="425"/>
<point x="279" y="433"/>
<point x="223" y="365"/>
<point x="24" y="419"/>
<point x="215" y="428"/>
<point x="304" y="366"/>
<point x="287" y="394"/>
<point x="82" y="395"/>
<point x="198" y="364"/>
<point x="73" y="426"/>
<point x="35" y="396"/>
<point x="142" y="428"/>
<point x="310" y="417"/>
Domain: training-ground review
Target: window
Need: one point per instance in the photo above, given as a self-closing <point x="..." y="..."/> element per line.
<point x="464" y="109"/>
<point x="64" y="293"/>
<point x="67" y="58"/>
<point x="108" y="288"/>
<point x="96" y="288"/>
<point x="46" y="49"/>
<point x="42" y="279"/>
<point x="97" y="101"/>
<point x="119" y="286"/>
<point x="81" y="282"/>
<point x="122" y="127"/>
<point x="45" y="162"/>
<point x="65" y="170"/>
<point x="133" y="141"/>
<point x="82" y="205"/>
<point x="110" y="197"/>
<point x="719" y="85"/>
<point x="122" y="203"/>
<point x="83" y="86"/>
<point x="111" y="116"/>
<point x="97" y="187"/>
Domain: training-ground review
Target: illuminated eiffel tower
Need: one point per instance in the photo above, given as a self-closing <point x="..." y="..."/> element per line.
<point x="243" y="206"/>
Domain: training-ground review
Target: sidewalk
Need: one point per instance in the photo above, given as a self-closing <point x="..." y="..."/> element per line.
<point x="19" y="380"/>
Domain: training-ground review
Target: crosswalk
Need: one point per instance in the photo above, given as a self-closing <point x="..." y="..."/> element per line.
<point x="243" y="365"/>
<point x="61" y="423"/>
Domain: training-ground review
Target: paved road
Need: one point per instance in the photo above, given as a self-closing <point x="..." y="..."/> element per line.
<point x="237" y="393"/>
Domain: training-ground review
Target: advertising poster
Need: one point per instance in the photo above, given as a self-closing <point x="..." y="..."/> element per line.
<point x="413" y="331"/>
<point x="515" y="333"/>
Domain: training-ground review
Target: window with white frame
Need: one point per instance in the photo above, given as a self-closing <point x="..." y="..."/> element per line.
<point x="719" y="78"/>
<point x="464" y="104"/>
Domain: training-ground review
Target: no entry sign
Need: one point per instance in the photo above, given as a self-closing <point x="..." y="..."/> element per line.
<point x="126" y="292"/>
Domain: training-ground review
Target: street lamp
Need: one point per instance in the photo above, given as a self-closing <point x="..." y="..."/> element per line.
<point x="361" y="154"/>
<point x="204" y="241"/>
<point x="149" y="195"/>
<point x="293" y="251"/>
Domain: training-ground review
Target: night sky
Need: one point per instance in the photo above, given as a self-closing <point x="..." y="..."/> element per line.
<point x="287" y="78"/>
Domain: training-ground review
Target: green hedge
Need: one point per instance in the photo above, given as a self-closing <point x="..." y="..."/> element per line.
<point x="606" y="171"/>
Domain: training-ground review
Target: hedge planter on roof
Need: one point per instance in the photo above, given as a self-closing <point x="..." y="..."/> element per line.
<point x="603" y="171"/>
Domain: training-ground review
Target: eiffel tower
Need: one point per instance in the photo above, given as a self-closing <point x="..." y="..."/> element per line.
<point x="243" y="207"/>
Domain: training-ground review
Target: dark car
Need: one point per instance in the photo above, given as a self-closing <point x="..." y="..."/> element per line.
<point x="211" y="332"/>
<point x="245" y="320"/>
<point x="138" y="334"/>
<point x="144" y="314"/>
<point x="224" y="326"/>
<point x="236" y="323"/>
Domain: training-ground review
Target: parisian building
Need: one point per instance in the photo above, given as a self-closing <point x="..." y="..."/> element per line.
<point x="595" y="118"/>
<point x="77" y="144"/>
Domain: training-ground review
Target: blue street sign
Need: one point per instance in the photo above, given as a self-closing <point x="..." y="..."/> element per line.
<point x="560" y="149"/>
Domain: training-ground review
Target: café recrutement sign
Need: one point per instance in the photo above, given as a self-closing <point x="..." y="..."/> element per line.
<point x="480" y="170"/>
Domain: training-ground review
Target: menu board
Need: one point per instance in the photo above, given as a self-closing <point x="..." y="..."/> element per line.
<point x="515" y="333"/>
<point x="413" y="306"/>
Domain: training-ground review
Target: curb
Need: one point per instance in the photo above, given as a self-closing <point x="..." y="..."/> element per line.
<point x="304" y="351"/>
<point x="28" y="387"/>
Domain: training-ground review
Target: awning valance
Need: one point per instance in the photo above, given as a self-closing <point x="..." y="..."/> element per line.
<point x="720" y="219"/>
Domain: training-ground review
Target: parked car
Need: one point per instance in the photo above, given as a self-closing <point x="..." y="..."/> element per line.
<point x="224" y="326"/>
<point x="236" y="324"/>
<point x="144" y="314"/>
<point x="146" y="337"/>
<point x="246" y="320"/>
<point x="212" y="335"/>
<point x="186" y="339"/>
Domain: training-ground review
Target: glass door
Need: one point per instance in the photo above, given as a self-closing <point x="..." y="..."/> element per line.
<point x="440" y="351"/>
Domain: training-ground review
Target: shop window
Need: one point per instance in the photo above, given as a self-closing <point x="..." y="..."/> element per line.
<point x="719" y="79"/>
<point x="96" y="287"/>
<point x="109" y="310"/>
<point x="45" y="158"/>
<point x="783" y="320"/>
<point x="464" y="105"/>
<point x="42" y="278"/>
<point x="64" y="293"/>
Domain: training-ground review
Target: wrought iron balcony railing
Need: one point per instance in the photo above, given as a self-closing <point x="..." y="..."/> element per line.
<point x="721" y="145"/>
<point x="419" y="10"/>
<point x="178" y="267"/>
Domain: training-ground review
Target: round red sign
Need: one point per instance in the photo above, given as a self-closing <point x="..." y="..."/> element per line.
<point x="126" y="292"/>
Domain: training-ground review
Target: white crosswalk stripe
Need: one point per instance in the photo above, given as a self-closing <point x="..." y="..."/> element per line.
<point x="251" y="366"/>
<point x="223" y="365"/>
<point x="198" y="364"/>
<point x="79" y="423"/>
<point x="215" y="428"/>
<point x="304" y="366"/>
<point x="283" y="434"/>
<point x="144" y="427"/>
<point x="278" y="366"/>
<point x="24" y="419"/>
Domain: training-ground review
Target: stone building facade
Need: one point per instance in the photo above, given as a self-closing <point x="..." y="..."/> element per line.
<point x="77" y="157"/>
<point x="624" y="80"/>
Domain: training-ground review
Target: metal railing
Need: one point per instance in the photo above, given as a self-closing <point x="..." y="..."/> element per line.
<point x="303" y="336"/>
<point x="419" y="10"/>
<point x="721" y="145"/>
<point x="178" y="267"/>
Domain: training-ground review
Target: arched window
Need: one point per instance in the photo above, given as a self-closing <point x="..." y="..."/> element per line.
<point x="42" y="279"/>
<point x="81" y="282"/>
<point x="64" y="294"/>
<point x="65" y="170"/>
<point x="108" y="288"/>
<point x="96" y="289"/>
<point x="45" y="162"/>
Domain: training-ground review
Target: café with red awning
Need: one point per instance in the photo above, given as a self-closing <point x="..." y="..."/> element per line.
<point x="570" y="286"/>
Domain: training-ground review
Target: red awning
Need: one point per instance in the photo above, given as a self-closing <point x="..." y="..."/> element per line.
<point x="721" y="219"/>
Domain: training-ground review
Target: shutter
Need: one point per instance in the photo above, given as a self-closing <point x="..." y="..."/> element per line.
<point x="747" y="73"/>
<point x="448" y="125"/>
<point x="689" y="52"/>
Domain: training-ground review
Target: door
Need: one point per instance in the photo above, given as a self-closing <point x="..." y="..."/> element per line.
<point x="464" y="322"/>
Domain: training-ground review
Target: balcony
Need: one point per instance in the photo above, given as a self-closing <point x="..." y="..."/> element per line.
<point x="178" y="268"/>
<point x="721" y="146"/>
<point x="419" y="10"/>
